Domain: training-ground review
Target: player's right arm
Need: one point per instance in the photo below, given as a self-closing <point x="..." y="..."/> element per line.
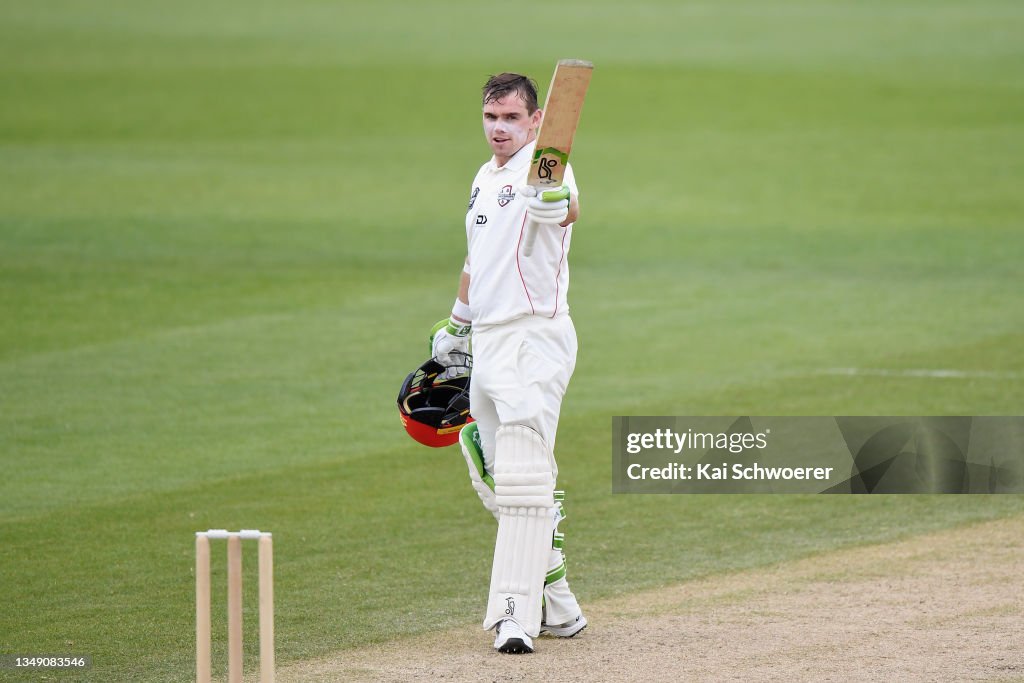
<point x="463" y="295"/>
<point x="451" y="335"/>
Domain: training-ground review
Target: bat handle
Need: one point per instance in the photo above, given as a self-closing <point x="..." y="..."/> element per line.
<point x="531" y="237"/>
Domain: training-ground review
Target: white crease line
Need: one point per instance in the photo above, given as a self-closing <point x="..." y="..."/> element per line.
<point x="939" y="374"/>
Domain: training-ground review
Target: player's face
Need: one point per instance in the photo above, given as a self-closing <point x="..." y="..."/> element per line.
<point x="508" y="126"/>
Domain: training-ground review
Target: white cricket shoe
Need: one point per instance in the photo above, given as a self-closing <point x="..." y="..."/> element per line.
<point x="512" y="639"/>
<point x="566" y="630"/>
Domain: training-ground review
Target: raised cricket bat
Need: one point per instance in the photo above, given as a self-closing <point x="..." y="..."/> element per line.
<point x="562" y="109"/>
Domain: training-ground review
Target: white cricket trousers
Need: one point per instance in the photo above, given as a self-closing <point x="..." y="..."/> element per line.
<point x="520" y="373"/>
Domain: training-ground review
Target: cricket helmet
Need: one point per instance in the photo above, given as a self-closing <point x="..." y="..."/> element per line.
<point x="434" y="401"/>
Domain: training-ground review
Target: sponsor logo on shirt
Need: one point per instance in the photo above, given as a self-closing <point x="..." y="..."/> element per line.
<point x="481" y="219"/>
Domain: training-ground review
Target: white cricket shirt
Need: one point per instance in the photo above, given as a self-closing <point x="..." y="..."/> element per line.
<point x="505" y="285"/>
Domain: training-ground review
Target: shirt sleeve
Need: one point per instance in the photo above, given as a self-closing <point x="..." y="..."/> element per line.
<point x="474" y="190"/>
<point x="570" y="180"/>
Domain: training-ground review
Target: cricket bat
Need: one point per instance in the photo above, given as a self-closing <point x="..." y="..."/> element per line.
<point x="562" y="109"/>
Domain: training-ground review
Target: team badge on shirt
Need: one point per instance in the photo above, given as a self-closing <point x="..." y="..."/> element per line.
<point x="472" y="199"/>
<point x="505" y="195"/>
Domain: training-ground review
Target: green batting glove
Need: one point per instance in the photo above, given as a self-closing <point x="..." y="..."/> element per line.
<point x="555" y="195"/>
<point x="549" y="207"/>
<point x="449" y="344"/>
<point x="450" y="327"/>
<point x="437" y="327"/>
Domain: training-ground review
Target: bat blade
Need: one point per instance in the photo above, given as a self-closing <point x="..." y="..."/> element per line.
<point x="562" y="109"/>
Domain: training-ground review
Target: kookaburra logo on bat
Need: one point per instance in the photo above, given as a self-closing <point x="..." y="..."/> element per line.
<point x="547" y="167"/>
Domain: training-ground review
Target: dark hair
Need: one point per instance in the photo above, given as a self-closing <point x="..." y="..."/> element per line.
<point x="505" y="84"/>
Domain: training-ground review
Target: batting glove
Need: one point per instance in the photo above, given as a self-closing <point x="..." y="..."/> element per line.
<point x="549" y="207"/>
<point x="449" y="342"/>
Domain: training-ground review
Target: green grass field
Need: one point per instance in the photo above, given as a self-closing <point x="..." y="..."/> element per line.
<point x="225" y="230"/>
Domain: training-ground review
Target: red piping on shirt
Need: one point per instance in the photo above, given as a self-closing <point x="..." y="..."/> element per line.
<point x="522" y="229"/>
<point x="561" y="259"/>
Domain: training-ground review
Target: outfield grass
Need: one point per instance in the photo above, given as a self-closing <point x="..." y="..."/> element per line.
<point x="225" y="230"/>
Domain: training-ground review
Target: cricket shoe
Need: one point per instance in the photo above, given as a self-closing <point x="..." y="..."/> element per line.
<point x="566" y="630"/>
<point x="512" y="639"/>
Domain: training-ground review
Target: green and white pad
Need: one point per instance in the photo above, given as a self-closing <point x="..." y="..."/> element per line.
<point x="560" y="605"/>
<point x="524" y="490"/>
<point x="473" y="452"/>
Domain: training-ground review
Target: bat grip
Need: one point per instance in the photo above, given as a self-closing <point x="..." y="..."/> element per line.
<point x="531" y="237"/>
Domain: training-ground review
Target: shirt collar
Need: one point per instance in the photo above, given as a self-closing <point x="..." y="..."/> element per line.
<point x="519" y="160"/>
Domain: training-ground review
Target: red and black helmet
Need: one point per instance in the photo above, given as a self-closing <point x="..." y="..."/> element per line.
<point x="434" y="410"/>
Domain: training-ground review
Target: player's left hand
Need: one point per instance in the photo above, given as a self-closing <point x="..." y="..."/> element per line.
<point x="549" y="207"/>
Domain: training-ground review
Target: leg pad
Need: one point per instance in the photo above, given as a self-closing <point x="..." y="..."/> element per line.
<point x="524" y="489"/>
